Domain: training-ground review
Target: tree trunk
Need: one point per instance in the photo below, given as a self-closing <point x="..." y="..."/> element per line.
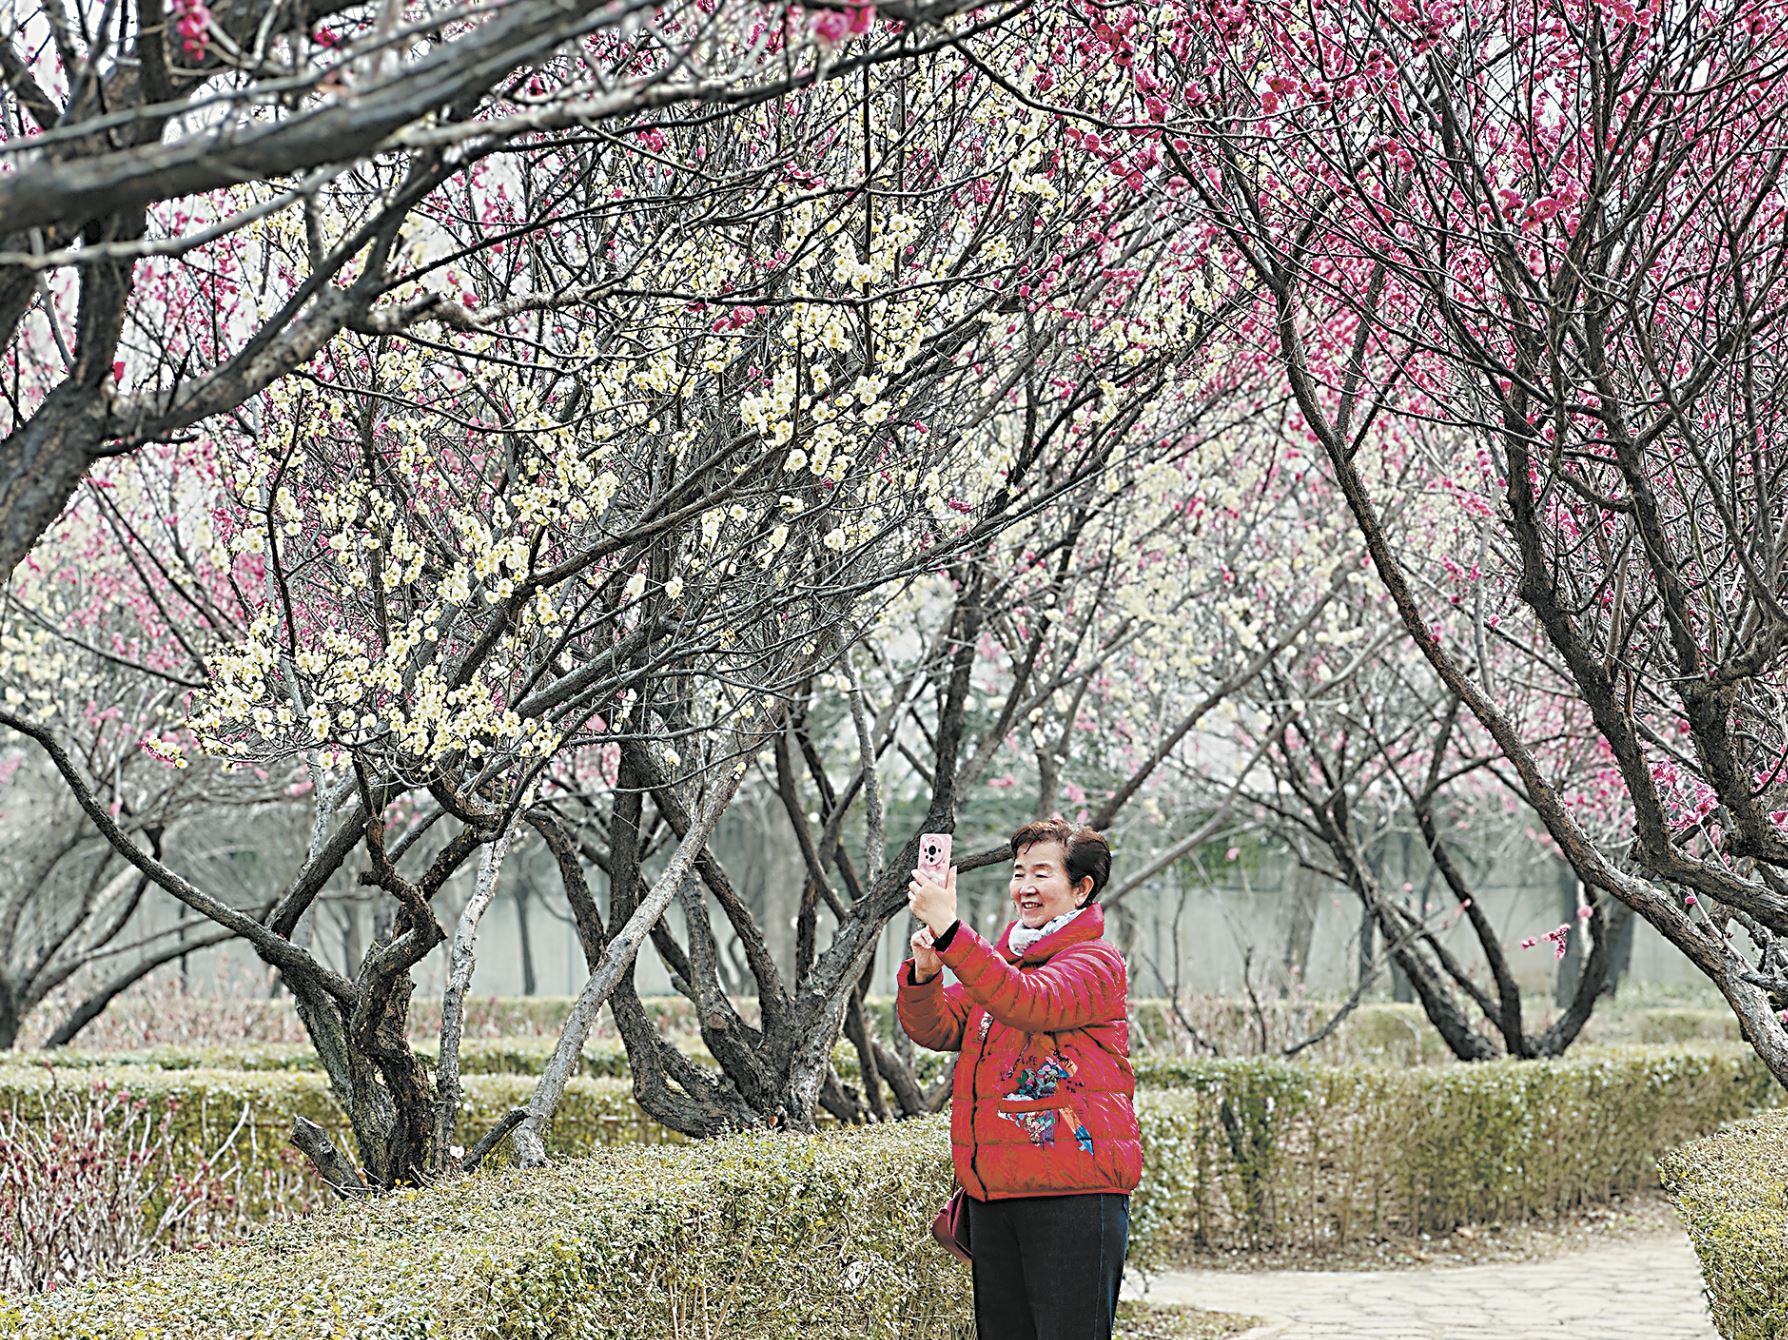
<point x="462" y="961"/>
<point x="1402" y="989"/>
<point x="1622" y="927"/>
<point x="1591" y="982"/>
<point x="364" y="1047"/>
<point x="616" y="963"/>
<point x="524" y="897"/>
<point x="10" y="1020"/>
<point x="1570" y="967"/>
<point x="1368" y="947"/>
<point x="1300" y="932"/>
<point x="1402" y="930"/>
<point x="352" y="950"/>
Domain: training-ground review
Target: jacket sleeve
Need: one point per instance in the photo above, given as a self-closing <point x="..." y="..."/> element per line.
<point x="1082" y="985"/>
<point x="933" y="1015"/>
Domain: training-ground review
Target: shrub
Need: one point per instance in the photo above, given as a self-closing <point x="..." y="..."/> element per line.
<point x="158" y="1014"/>
<point x="756" y="1237"/>
<point x="203" y="1107"/>
<point x="1259" y="1152"/>
<point x="92" y="1185"/>
<point x="603" y="1058"/>
<point x="1238" y="1152"/>
<point x="762" y="1236"/>
<point x="1732" y="1191"/>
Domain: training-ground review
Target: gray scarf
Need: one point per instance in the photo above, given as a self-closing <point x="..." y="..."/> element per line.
<point x="1023" y="937"/>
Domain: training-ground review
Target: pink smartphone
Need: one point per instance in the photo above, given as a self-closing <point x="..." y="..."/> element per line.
<point x="934" y="855"/>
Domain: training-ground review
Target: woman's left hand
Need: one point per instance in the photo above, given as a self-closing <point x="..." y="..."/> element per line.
<point x="933" y="903"/>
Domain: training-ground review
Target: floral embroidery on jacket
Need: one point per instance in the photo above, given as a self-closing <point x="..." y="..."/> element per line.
<point x="1042" y="1081"/>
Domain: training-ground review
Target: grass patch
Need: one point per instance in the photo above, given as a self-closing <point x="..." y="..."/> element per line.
<point x="1178" y="1321"/>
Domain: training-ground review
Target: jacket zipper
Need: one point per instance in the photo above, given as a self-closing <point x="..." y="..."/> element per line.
<point x="975" y="1093"/>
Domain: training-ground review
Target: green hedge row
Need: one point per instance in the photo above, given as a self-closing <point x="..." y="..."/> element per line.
<point x="1382" y="1032"/>
<point x="522" y="1016"/>
<point x="1732" y="1191"/>
<point x="1268" y="1153"/>
<point x="768" y="1236"/>
<point x="1373" y="1034"/>
<point x="1239" y="1152"/>
<point x="252" y="1112"/>
<point x="603" y="1058"/>
<point x="1387" y="1033"/>
<point x="756" y="1237"/>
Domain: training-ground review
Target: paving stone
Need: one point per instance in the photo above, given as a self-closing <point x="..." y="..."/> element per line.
<point x="1643" y="1289"/>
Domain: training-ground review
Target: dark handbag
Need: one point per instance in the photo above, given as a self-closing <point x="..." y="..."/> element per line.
<point x="951" y="1227"/>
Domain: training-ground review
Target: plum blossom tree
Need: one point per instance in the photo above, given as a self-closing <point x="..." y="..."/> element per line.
<point x="67" y="906"/>
<point x="92" y="639"/>
<point x="149" y="148"/>
<point x="1537" y="250"/>
<point x="1014" y="659"/>
<point x="1365" y="751"/>
<point x="1067" y="412"/>
<point x="530" y="572"/>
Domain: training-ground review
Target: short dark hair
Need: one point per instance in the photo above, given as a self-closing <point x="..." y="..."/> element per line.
<point x="1084" y="851"/>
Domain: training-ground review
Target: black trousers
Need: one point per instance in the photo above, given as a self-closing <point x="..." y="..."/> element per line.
<point x="1048" y="1267"/>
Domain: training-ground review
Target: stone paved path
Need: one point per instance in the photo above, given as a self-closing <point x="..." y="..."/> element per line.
<point x="1645" y="1289"/>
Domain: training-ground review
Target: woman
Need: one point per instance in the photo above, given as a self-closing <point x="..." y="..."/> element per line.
<point x="1042" y="1125"/>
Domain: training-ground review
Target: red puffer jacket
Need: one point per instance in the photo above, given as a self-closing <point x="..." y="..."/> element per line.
<point x="1043" y="1100"/>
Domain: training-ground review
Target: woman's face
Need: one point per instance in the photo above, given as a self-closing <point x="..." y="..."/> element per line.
<point x="1040" y="888"/>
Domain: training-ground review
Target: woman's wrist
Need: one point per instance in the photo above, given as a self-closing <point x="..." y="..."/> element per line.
<point x="942" y="941"/>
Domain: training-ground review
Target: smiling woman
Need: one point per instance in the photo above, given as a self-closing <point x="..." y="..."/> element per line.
<point x="1056" y="871"/>
<point x="1042" y="1125"/>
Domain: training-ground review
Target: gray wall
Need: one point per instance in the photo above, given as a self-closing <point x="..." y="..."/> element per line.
<point x="1275" y="910"/>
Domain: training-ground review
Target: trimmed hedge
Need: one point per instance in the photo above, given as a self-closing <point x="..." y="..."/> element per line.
<point x="1388" y="1033"/>
<point x="515" y="1035"/>
<point x="1672" y="1024"/>
<point x="1270" y="1153"/>
<point x="1732" y="1191"/>
<point x="205" y="1106"/>
<point x="154" y="1016"/>
<point x="755" y="1237"/>
<point x="603" y="1058"/>
<point x="762" y="1236"/>
<point x="534" y="1016"/>
<point x="1238" y="1151"/>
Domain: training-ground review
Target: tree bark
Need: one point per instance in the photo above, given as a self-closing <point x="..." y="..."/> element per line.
<point x="1300" y="931"/>
<point x="462" y="961"/>
<point x="338" y="1170"/>
<point x="1365" y="958"/>
<point x="617" y="958"/>
<point x="9" y="1017"/>
<point x="524" y="898"/>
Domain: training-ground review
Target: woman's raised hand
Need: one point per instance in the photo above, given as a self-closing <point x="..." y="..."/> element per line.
<point x="926" y="963"/>
<point x="933" y="903"/>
